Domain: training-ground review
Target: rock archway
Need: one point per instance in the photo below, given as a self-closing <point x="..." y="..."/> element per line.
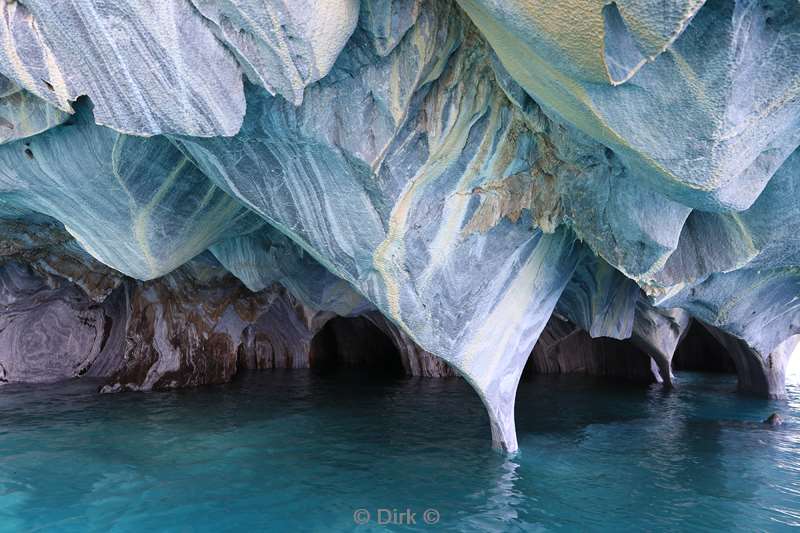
<point x="354" y="343"/>
<point x="700" y="351"/>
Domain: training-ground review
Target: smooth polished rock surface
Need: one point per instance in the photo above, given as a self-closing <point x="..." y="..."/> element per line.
<point x="136" y="204"/>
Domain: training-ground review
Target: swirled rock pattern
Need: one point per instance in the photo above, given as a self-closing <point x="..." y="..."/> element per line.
<point x="203" y="185"/>
<point x="124" y="199"/>
<point x="46" y="333"/>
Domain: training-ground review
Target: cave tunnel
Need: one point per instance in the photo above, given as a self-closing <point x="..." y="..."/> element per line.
<point x="699" y="351"/>
<point x="354" y="344"/>
<point x="563" y="348"/>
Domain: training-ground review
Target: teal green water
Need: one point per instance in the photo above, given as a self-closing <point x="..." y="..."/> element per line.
<point x="290" y="451"/>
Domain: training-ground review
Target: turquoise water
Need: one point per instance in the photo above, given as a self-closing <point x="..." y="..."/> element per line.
<point x="291" y="451"/>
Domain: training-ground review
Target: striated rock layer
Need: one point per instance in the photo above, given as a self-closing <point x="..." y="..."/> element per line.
<point x="193" y="187"/>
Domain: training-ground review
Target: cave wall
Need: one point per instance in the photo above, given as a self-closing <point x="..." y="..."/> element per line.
<point x="756" y="374"/>
<point x="46" y="334"/>
<point x="198" y="325"/>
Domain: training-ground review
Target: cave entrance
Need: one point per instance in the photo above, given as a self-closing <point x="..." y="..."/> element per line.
<point x="355" y="344"/>
<point x="699" y="351"/>
<point x="563" y="348"/>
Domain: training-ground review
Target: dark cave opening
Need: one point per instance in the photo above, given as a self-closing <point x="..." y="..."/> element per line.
<point x="564" y="348"/>
<point x="355" y="344"/>
<point x="699" y="351"/>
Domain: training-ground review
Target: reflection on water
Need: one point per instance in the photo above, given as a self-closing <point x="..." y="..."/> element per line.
<point x="278" y="450"/>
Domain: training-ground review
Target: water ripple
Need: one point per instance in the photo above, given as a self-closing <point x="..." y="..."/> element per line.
<point x="287" y="449"/>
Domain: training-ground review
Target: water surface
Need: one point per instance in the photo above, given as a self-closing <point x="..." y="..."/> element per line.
<point x="291" y="451"/>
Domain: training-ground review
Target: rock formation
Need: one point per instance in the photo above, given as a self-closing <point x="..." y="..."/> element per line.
<point x="192" y="187"/>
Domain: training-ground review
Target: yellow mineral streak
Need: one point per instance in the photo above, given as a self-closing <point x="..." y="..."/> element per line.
<point x="281" y="48"/>
<point x="143" y="217"/>
<point x="56" y="79"/>
<point x="221" y="215"/>
<point x="549" y="85"/>
<point x="389" y="255"/>
<point x="448" y="233"/>
<point x="398" y="105"/>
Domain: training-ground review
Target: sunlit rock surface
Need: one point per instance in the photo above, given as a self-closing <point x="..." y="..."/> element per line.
<point x="282" y="45"/>
<point x="205" y="185"/>
<point x="149" y="67"/>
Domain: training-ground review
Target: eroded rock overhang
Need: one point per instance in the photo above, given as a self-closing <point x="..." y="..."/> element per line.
<point x="461" y="169"/>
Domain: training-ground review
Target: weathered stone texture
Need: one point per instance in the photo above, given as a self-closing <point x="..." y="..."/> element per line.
<point x="454" y="171"/>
